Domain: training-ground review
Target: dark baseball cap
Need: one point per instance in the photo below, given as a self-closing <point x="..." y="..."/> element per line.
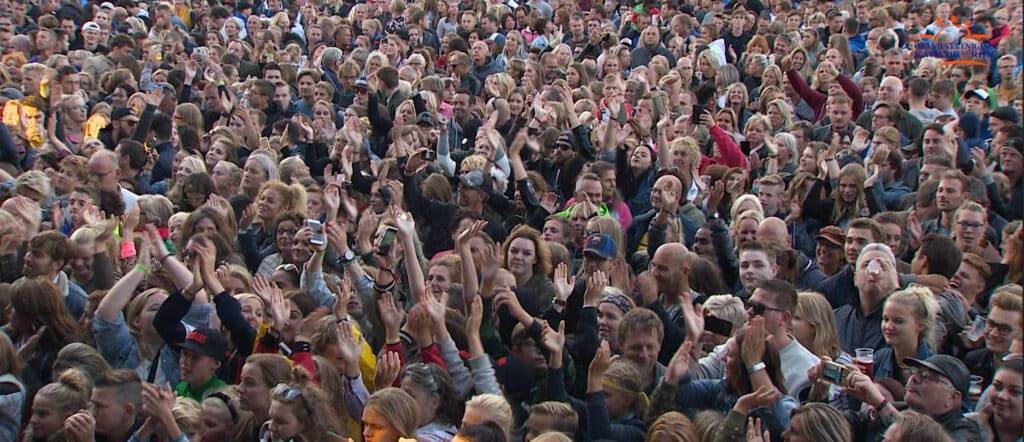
<point x="119" y="113"/>
<point x="425" y="119"/>
<point x="206" y="341"/>
<point x="600" y="244"/>
<point x="948" y="366"/>
<point x="1006" y="113"/>
<point x="477" y="180"/>
<point x="831" y="234"/>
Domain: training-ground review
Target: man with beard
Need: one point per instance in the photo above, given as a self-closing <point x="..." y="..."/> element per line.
<point x="950" y="195"/>
<point x="860" y="323"/>
<point x="472" y="194"/>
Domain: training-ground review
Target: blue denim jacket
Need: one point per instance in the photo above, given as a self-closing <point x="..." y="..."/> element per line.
<point x="116" y="344"/>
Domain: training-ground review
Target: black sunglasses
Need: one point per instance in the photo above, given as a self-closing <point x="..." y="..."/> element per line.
<point x="758" y="309"/>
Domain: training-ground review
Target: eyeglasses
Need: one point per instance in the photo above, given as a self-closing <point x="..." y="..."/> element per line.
<point x="969" y="226"/>
<point x="995" y="327"/>
<point x="758" y="309"/>
<point x="99" y="175"/>
<point x="925" y="375"/>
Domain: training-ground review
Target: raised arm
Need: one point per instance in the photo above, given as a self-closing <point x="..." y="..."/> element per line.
<point x="407" y="233"/>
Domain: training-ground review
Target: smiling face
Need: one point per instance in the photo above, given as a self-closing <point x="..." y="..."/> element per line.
<point x="899" y="326"/>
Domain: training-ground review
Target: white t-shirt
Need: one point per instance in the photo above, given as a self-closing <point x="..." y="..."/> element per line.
<point x="796" y="360"/>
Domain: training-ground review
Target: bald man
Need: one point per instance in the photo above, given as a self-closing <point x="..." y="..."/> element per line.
<point x="774" y="230"/>
<point x="672" y="218"/>
<point x="890" y="91"/>
<point x="105" y="174"/>
<point x="670" y="268"/>
<point x="483" y="64"/>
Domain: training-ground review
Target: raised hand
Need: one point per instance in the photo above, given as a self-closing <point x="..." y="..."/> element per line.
<point x="404" y="223"/>
<point x="693" y="316"/>
<point x="553" y="340"/>
<point x="764" y="396"/>
<point x="508" y="299"/>
<point x="595" y="288"/>
<point x="679" y="365"/>
<point x="390" y="315"/>
<point x="474" y="316"/>
<point x="755" y="432"/>
<point x="434" y="308"/>
<point x="344" y="293"/>
<point x="602" y="360"/>
<point x="349" y="345"/>
<point x="752" y="350"/>
<point x="563" y="282"/>
<point x="468" y="234"/>
<point x="337" y="237"/>
<point x="248" y="216"/>
<point x="219" y="205"/>
<point x="388" y="366"/>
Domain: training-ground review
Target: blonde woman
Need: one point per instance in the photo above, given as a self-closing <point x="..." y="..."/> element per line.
<point x="737" y="98"/>
<point x="616" y="402"/>
<point x="908" y="327"/>
<point x="489" y="408"/>
<point x="389" y="414"/>
<point x="707" y="66"/>
<point x="814" y="327"/>
<point x="780" y="115"/>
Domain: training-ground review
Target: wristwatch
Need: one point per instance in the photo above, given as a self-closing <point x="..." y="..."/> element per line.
<point x="756" y="368"/>
<point x="347" y="258"/>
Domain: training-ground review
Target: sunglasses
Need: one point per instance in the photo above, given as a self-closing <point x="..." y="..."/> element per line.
<point x="758" y="309"/>
<point x="289" y="393"/>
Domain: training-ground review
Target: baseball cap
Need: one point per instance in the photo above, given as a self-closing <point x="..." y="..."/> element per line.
<point x="424" y="118"/>
<point x="107" y="5"/>
<point x="946" y="365"/>
<point x="1006" y="113"/>
<point x="980" y="93"/>
<point x="476" y="180"/>
<point x="600" y="244"/>
<point x="362" y="84"/>
<point x="119" y="113"/>
<point x="206" y="341"/>
<point x="91" y="26"/>
<point x="831" y="234"/>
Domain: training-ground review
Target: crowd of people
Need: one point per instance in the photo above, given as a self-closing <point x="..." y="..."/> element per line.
<point x="511" y="220"/>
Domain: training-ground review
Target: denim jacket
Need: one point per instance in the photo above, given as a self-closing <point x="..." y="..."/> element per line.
<point x="885" y="360"/>
<point x="119" y="348"/>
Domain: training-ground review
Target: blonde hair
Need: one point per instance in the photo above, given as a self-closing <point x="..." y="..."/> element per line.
<point x="729" y="308"/>
<point x="10" y="363"/>
<point x="814" y="308"/>
<point x="747" y="198"/>
<point x="188" y="415"/>
<point x="623" y="376"/>
<point x="827" y="423"/>
<point x="294" y="195"/>
<point x="397" y="407"/>
<point x="672" y="426"/>
<point x="923" y="307"/>
<point x="498" y="409"/>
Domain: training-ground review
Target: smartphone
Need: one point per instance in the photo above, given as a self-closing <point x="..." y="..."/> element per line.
<point x="977" y="329"/>
<point x="834" y="372"/>
<point x="44" y="87"/>
<point x="429" y="155"/>
<point x="718" y="326"/>
<point x="388" y="240"/>
<point x="698" y="110"/>
<point x="318" y="232"/>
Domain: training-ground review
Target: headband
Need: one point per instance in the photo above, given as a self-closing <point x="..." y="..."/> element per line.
<point x="227" y="402"/>
<point x="620" y="301"/>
